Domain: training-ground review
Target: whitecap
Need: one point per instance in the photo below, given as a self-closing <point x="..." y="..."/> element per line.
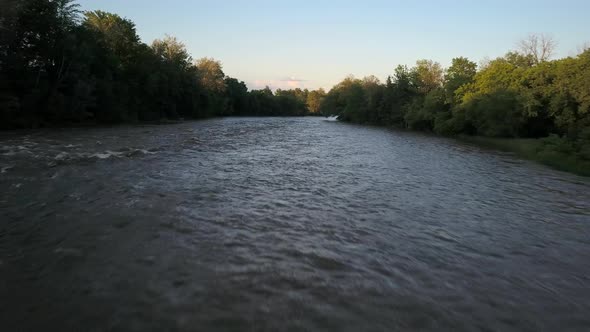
<point x="6" y="169"/>
<point x="106" y="155"/>
<point x="62" y="156"/>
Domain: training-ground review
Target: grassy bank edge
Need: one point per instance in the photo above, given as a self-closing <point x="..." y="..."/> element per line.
<point x="533" y="149"/>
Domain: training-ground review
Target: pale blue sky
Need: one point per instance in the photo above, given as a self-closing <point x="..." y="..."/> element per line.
<point x="320" y="42"/>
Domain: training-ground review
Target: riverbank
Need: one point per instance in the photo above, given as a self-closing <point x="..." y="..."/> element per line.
<point x="553" y="152"/>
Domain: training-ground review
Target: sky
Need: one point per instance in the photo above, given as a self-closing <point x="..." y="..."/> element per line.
<point x="315" y="43"/>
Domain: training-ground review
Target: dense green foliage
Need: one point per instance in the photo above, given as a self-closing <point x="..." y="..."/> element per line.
<point x="58" y="65"/>
<point x="515" y="96"/>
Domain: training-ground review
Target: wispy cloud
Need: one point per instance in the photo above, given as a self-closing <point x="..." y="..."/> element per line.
<point x="293" y="79"/>
<point x="282" y="83"/>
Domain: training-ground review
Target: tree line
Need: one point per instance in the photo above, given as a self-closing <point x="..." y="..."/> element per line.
<point x="523" y="94"/>
<point x="59" y="66"/>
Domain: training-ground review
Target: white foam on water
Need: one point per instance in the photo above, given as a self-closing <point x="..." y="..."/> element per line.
<point x="6" y="169"/>
<point x="105" y="155"/>
<point x="146" y="151"/>
<point x="62" y="156"/>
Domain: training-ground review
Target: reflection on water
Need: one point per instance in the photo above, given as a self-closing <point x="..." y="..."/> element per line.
<point x="285" y="224"/>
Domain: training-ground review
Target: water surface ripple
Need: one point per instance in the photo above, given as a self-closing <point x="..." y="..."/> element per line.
<point x="285" y="224"/>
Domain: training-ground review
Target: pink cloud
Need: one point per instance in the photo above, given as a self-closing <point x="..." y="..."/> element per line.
<point x="287" y="83"/>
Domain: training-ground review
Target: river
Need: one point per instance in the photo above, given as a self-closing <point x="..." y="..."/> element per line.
<point x="285" y="224"/>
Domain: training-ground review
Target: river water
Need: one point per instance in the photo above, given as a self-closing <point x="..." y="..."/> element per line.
<point x="285" y="224"/>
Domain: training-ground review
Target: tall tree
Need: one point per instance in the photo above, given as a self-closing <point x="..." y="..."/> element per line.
<point x="211" y="74"/>
<point x="117" y="33"/>
<point x="461" y="72"/>
<point x="172" y="50"/>
<point x="314" y="100"/>
<point x="38" y="52"/>
<point x="538" y="46"/>
<point x="427" y="75"/>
